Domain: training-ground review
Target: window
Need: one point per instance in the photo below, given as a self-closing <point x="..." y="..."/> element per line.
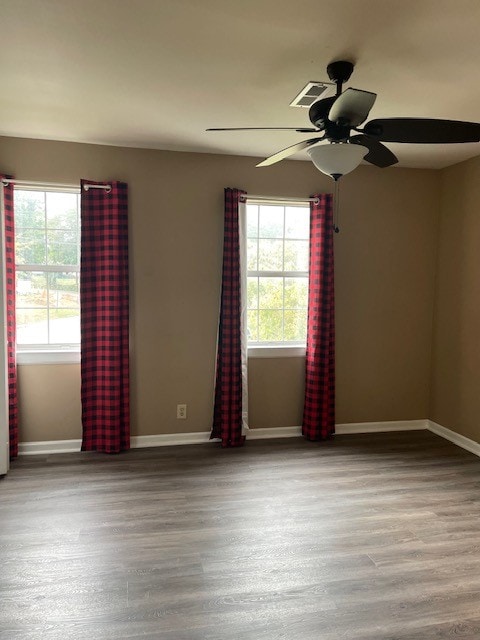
<point x="277" y="274"/>
<point x="47" y="248"/>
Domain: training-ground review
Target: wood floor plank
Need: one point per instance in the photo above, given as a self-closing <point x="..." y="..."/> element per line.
<point x="372" y="537"/>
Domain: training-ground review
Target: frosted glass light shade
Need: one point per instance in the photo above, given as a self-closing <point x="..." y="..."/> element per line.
<point x="337" y="159"/>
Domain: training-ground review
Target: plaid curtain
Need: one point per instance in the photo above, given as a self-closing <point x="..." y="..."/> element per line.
<point x="9" y="234"/>
<point x="227" y="415"/>
<point x="104" y="318"/>
<point x="319" y="409"/>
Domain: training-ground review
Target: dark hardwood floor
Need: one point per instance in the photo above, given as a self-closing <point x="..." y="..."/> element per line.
<point x="372" y="537"/>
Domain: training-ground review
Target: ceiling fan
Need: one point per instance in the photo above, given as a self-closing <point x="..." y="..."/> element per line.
<point x="338" y="116"/>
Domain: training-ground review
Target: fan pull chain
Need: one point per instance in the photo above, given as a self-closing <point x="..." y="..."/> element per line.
<point x="336" y="214"/>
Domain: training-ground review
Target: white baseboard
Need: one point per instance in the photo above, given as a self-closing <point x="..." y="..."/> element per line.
<point x="274" y="432"/>
<point x="170" y="439"/>
<point x="136" y="442"/>
<point x="456" y="438"/>
<point x="380" y="427"/>
<point x="45" y="447"/>
<point x="341" y="429"/>
<point x="202" y="437"/>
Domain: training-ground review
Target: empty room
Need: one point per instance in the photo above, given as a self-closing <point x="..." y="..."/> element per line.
<point x="240" y="302"/>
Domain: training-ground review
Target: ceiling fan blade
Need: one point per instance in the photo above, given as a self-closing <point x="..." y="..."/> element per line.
<point x="289" y="151"/>
<point x="378" y="154"/>
<point x="298" y="129"/>
<point x="422" y="130"/>
<point x="352" y="107"/>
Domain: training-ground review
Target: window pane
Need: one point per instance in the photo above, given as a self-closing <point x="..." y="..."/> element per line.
<point x="297" y="223"/>
<point x="64" y="326"/>
<point x="31" y="290"/>
<point x="252" y="246"/>
<point x="252" y="220"/>
<point x="62" y="210"/>
<point x="271" y="221"/>
<point x="29" y="209"/>
<point x="296" y="325"/>
<point x="62" y="236"/>
<point x="270" y="255"/>
<point x="62" y="254"/>
<point x="252" y="293"/>
<point x="296" y="255"/>
<point x="47" y="233"/>
<point x="252" y="325"/>
<point x="296" y="293"/>
<point x="270" y="293"/>
<point x="277" y="304"/>
<point x="63" y="290"/>
<point x="30" y="246"/>
<point x="32" y="326"/>
<point x="271" y="326"/>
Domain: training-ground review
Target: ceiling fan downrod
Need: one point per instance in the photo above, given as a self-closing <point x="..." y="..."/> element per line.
<point x="339" y="72"/>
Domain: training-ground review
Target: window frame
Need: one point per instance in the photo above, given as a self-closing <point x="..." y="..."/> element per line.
<point x="54" y="353"/>
<point x="273" y="349"/>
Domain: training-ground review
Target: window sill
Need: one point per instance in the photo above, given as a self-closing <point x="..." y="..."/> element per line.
<point x="276" y="352"/>
<point x="48" y="357"/>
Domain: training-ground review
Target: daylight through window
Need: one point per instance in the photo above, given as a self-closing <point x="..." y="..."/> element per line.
<point x="277" y="273"/>
<point x="47" y="249"/>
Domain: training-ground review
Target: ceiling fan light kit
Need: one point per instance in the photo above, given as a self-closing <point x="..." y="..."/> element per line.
<point x="335" y="160"/>
<point x="335" y="118"/>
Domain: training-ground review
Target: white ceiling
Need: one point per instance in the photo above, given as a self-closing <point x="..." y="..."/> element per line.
<point x="157" y="73"/>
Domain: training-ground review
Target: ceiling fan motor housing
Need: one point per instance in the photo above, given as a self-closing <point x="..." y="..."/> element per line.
<point x="336" y="132"/>
<point x="319" y="111"/>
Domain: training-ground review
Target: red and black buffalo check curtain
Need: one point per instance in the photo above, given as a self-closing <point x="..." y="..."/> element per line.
<point x="9" y="236"/>
<point x="104" y="318"/>
<point x="227" y="415"/>
<point x="319" y="410"/>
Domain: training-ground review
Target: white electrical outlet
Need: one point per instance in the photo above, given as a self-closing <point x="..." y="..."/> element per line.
<point x="181" y="411"/>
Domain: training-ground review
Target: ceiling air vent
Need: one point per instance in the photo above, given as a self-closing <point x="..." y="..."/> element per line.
<point x="310" y="93"/>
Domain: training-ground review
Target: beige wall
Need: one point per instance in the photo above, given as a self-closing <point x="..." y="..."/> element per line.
<point x="385" y="269"/>
<point x="385" y="263"/>
<point x="49" y="402"/>
<point x="455" y="394"/>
